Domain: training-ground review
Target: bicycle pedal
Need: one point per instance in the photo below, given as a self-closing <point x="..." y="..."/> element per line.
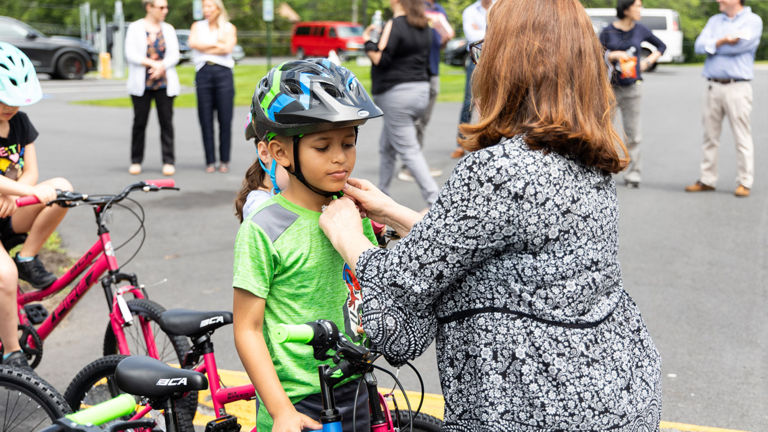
<point x="228" y="423"/>
<point x="36" y="313"/>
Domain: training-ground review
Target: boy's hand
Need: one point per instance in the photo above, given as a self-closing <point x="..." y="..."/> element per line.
<point x="44" y="193"/>
<point x="294" y="421"/>
<point x="7" y="206"/>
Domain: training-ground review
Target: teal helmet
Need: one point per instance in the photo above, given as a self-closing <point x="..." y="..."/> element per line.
<point x="19" y="85"/>
<point x="307" y="96"/>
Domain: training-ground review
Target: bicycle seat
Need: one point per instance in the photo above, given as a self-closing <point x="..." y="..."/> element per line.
<point x="148" y="377"/>
<point x="185" y="322"/>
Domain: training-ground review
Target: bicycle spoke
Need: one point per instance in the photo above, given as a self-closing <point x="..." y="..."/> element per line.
<point x="25" y="419"/>
<point x="20" y="411"/>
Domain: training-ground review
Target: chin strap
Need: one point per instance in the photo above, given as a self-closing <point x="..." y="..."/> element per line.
<point x="300" y="177"/>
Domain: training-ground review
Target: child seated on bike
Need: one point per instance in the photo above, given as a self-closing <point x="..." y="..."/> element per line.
<point x="19" y="86"/>
<point x="260" y="182"/>
<point x="285" y="269"/>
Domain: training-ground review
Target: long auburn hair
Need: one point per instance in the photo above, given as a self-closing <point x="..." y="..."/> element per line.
<point x="254" y="179"/>
<point x="414" y="13"/>
<point x="542" y="74"/>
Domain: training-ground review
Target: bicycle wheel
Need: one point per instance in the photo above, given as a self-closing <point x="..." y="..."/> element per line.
<point x="421" y="422"/>
<point x="27" y="402"/>
<point x="171" y="349"/>
<point x="96" y="383"/>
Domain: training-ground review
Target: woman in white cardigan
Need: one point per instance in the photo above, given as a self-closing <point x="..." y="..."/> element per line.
<point x="152" y="50"/>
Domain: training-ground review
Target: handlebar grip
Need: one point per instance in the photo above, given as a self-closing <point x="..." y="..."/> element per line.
<point x="162" y="182"/>
<point x="27" y="200"/>
<point x="106" y="411"/>
<point x="283" y="333"/>
<point x="377" y="227"/>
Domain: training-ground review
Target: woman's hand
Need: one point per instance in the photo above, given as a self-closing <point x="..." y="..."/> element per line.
<point x="294" y="421"/>
<point x="618" y="55"/>
<point x="157" y="70"/>
<point x="340" y="218"/>
<point x="370" y="199"/>
<point x="367" y="32"/>
<point x="7" y="206"/>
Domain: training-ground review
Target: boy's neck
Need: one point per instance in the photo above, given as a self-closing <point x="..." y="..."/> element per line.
<point x="300" y="195"/>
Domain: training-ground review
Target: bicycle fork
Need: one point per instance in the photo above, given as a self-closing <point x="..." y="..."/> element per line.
<point x="330" y="417"/>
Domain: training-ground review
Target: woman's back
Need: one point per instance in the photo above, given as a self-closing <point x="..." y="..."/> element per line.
<point x="405" y="59"/>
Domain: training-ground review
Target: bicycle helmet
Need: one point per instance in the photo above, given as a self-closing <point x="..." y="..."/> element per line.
<point x="307" y="96"/>
<point x="19" y="85"/>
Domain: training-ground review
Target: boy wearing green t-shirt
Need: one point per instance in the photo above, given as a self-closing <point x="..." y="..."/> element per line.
<point x="286" y="271"/>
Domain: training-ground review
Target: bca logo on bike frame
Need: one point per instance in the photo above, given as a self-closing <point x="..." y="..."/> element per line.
<point x="172" y="382"/>
<point x="209" y="321"/>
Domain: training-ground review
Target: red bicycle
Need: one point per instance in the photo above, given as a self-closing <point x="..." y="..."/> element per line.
<point x="133" y="327"/>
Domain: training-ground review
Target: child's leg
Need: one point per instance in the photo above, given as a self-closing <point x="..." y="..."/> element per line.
<point x="8" y="316"/>
<point x="39" y="221"/>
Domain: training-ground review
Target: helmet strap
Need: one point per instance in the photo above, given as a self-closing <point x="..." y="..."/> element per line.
<point x="300" y="177"/>
<point x="272" y="175"/>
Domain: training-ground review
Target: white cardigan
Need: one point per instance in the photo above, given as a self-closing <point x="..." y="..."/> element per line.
<point x="136" y="51"/>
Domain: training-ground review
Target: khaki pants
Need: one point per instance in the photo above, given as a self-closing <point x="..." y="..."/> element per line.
<point x="735" y="101"/>
<point x="628" y="100"/>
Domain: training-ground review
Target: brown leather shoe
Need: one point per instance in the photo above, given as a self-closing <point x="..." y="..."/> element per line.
<point x="458" y="153"/>
<point x="699" y="187"/>
<point x="742" y="192"/>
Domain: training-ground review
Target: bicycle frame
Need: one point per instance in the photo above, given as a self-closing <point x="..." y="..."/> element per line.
<point x="99" y="259"/>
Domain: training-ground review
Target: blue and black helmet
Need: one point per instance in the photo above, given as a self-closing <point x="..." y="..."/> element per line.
<point x="306" y="96"/>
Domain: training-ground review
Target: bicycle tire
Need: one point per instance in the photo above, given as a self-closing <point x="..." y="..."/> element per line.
<point x="47" y="404"/>
<point x="95" y="383"/>
<point x="151" y="311"/>
<point x="421" y="422"/>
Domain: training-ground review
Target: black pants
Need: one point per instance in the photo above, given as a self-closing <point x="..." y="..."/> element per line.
<point x="345" y="401"/>
<point x="215" y="91"/>
<point x="141" y="107"/>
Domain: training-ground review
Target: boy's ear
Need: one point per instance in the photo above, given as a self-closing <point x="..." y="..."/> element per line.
<point x="280" y="153"/>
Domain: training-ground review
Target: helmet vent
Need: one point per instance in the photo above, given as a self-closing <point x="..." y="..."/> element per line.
<point x="293" y="88"/>
<point x="331" y="90"/>
<point x="13" y="81"/>
<point x="10" y="59"/>
<point x="4" y="66"/>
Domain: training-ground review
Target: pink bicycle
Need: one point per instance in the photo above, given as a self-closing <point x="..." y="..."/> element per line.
<point x="97" y="382"/>
<point x="133" y="327"/>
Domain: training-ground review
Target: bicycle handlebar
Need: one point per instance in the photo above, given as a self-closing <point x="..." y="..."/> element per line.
<point x="105" y="411"/>
<point x="66" y="196"/>
<point x="284" y="333"/>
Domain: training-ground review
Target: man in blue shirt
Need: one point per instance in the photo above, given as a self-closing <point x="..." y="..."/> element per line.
<point x="729" y="40"/>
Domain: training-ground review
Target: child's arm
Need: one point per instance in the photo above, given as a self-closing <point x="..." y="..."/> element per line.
<point x="248" y="311"/>
<point x="30" y="175"/>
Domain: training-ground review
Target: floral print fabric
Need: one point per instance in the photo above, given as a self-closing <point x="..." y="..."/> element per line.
<point x="514" y="272"/>
<point x="156" y="51"/>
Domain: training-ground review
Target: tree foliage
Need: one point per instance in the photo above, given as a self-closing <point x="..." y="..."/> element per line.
<point x="247" y="14"/>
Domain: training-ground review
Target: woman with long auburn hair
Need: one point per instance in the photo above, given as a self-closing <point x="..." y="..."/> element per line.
<point x="514" y="269"/>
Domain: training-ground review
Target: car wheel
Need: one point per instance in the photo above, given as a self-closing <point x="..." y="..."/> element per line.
<point x="643" y="55"/>
<point x="70" y="66"/>
<point x="300" y="53"/>
<point x="342" y="55"/>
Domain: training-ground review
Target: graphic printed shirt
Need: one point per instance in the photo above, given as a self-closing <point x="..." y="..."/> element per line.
<point x="282" y="255"/>
<point x="12" y="147"/>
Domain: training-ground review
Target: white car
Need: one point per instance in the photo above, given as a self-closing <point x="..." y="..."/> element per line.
<point x="664" y="23"/>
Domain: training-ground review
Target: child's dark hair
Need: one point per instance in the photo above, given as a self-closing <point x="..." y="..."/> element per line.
<point x="254" y="179"/>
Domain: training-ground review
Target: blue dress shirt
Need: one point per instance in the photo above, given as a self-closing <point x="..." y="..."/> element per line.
<point x="730" y="61"/>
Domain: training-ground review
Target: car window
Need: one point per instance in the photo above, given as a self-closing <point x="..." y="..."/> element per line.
<point x="601" y="22"/>
<point x="332" y="33"/>
<point x="346" y="31"/>
<point x="10" y="30"/>
<point x="320" y="31"/>
<point x="302" y="31"/>
<point x="654" y="22"/>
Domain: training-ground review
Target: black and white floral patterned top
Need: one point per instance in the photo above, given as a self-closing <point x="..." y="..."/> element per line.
<point x="514" y="270"/>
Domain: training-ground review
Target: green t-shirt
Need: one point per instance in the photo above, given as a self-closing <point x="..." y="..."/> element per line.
<point x="282" y="255"/>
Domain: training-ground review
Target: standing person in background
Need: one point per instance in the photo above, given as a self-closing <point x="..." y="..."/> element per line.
<point x="622" y="40"/>
<point x="212" y="40"/>
<point x="474" y="22"/>
<point x="400" y="87"/>
<point x="152" y="51"/>
<point x="434" y="87"/>
<point x="730" y="41"/>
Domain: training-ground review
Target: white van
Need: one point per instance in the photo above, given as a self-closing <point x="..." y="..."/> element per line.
<point x="664" y="23"/>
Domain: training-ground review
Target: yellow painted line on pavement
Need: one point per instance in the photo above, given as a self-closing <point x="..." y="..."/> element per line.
<point x="433" y="405"/>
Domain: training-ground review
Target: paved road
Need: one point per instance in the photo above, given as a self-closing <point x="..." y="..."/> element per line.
<point x="695" y="264"/>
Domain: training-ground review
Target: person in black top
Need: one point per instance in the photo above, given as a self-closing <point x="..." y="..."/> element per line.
<point x="400" y="87"/>
<point x="622" y="40"/>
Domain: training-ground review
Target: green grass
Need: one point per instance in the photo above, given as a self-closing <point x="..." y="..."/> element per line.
<point x="246" y="77"/>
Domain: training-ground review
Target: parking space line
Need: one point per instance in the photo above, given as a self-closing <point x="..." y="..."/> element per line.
<point x="433" y="405"/>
